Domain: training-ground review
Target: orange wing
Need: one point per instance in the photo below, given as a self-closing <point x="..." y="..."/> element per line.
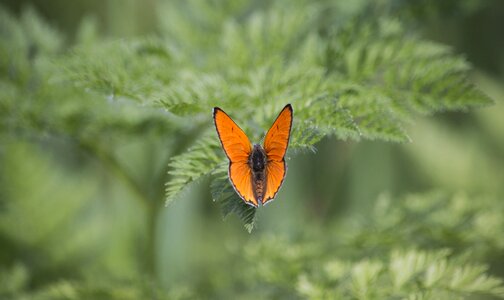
<point x="241" y="178"/>
<point x="275" y="174"/>
<point x="275" y="145"/>
<point x="237" y="147"/>
<point x="277" y="138"/>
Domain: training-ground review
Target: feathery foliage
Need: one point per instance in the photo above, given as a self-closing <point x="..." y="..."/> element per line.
<point x="362" y="78"/>
<point x="356" y="260"/>
<point x="80" y="209"/>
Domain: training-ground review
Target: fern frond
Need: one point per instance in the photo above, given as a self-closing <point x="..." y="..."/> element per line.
<point x="433" y="220"/>
<point x="185" y="168"/>
<point x="118" y="69"/>
<point x="363" y="77"/>
<point x="24" y="44"/>
<point x="398" y="273"/>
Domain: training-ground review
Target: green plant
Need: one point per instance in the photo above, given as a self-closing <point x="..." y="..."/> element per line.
<point x="77" y="198"/>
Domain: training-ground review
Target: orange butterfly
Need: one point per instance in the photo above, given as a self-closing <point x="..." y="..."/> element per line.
<point x="256" y="172"/>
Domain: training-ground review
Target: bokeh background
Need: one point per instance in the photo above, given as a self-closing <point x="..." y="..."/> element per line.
<point x="77" y="221"/>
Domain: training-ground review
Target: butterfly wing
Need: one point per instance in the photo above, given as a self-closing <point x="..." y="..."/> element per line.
<point x="275" y="146"/>
<point x="237" y="147"/>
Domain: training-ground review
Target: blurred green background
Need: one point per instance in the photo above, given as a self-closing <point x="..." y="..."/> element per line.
<point x="85" y="217"/>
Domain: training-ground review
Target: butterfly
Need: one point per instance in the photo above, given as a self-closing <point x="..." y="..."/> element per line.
<point x="256" y="172"/>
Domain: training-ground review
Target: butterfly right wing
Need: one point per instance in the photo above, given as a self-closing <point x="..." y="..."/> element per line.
<point x="275" y="145"/>
<point x="237" y="147"/>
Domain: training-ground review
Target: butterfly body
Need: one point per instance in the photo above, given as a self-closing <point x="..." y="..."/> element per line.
<point x="258" y="162"/>
<point x="256" y="172"/>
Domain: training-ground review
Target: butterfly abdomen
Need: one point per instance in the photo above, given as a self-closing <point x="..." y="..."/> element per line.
<point x="257" y="162"/>
<point x="259" y="186"/>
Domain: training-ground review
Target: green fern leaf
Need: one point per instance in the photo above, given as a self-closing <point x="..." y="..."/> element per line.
<point x="364" y="77"/>
<point x="185" y="168"/>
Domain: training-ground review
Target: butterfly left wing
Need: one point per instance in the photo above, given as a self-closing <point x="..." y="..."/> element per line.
<point x="237" y="147"/>
<point x="275" y="146"/>
<point x="241" y="178"/>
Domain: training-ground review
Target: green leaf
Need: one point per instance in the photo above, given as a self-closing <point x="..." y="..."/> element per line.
<point x="185" y="168"/>
<point x="365" y="76"/>
<point x="365" y="80"/>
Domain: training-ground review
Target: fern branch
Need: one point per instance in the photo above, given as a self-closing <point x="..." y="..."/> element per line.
<point x="364" y="77"/>
<point x="185" y="168"/>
